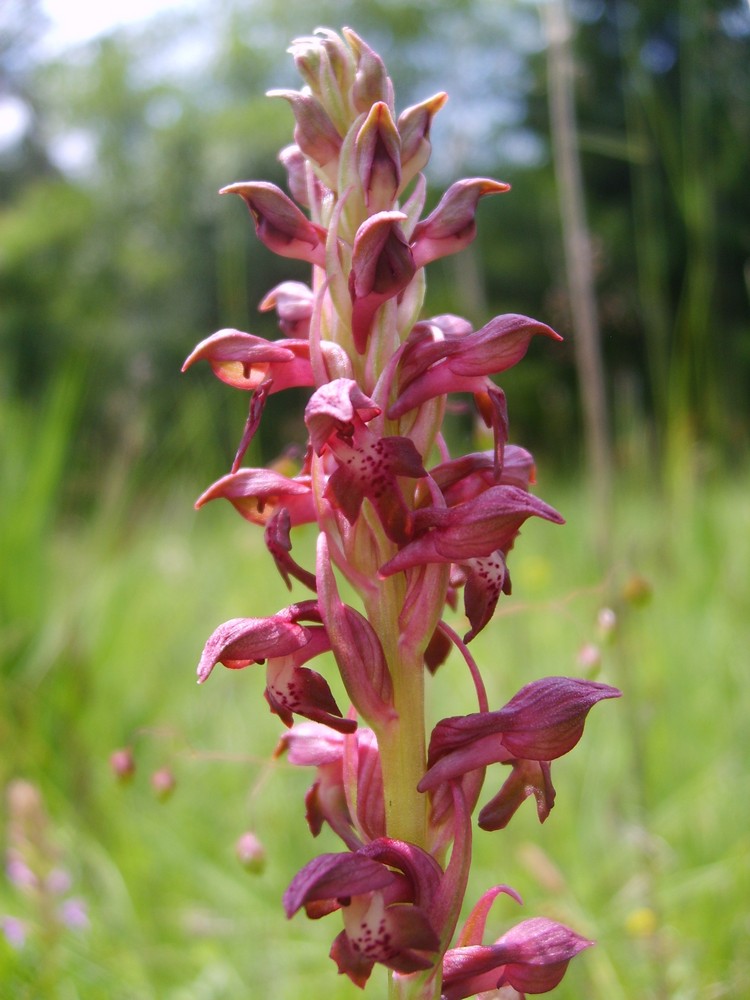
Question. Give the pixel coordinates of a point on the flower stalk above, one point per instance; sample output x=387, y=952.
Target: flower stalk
x=405, y=525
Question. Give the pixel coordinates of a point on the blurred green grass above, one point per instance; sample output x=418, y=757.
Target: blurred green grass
x=103, y=618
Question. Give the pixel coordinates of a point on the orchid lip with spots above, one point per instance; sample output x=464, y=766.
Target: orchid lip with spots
x=405, y=526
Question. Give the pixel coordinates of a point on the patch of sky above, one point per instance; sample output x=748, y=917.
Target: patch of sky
x=15, y=118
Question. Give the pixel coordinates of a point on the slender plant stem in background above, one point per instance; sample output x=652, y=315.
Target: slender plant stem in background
x=579, y=266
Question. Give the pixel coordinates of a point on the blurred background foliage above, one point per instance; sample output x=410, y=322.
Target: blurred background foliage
x=117, y=256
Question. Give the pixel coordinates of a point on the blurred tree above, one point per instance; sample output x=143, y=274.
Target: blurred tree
x=22, y=149
x=115, y=250
x=663, y=95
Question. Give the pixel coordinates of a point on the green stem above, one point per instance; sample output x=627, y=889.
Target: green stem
x=403, y=752
x=419, y=986
x=402, y=741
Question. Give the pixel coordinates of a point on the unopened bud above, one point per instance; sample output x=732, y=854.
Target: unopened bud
x=377, y=151
x=163, y=783
x=607, y=622
x=371, y=82
x=637, y=591
x=590, y=657
x=250, y=853
x=315, y=134
x=122, y=763
x=382, y=266
x=414, y=128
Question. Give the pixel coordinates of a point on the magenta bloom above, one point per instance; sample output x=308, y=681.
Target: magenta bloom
x=542, y=722
x=291, y=688
x=539, y=724
x=531, y=957
x=367, y=465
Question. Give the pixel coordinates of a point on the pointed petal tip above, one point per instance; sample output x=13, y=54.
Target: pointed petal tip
x=234, y=188
x=493, y=187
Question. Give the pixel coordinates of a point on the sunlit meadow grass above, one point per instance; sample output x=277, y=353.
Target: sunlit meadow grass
x=647, y=849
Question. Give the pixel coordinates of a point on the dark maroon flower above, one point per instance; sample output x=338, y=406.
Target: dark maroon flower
x=385, y=891
x=434, y=365
x=291, y=688
x=473, y=529
x=367, y=465
x=382, y=266
x=543, y=721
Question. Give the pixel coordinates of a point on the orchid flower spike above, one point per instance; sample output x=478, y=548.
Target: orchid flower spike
x=402, y=527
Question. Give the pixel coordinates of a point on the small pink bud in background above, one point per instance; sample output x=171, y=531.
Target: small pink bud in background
x=14, y=931
x=250, y=853
x=74, y=914
x=19, y=873
x=163, y=783
x=122, y=763
x=590, y=657
x=606, y=621
x=58, y=882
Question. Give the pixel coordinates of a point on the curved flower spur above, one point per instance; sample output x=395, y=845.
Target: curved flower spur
x=405, y=524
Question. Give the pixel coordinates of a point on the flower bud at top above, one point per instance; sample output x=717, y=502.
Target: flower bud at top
x=377, y=151
x=315, y=133
x=414, y=128
x=326, y=64
x=371, y=83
